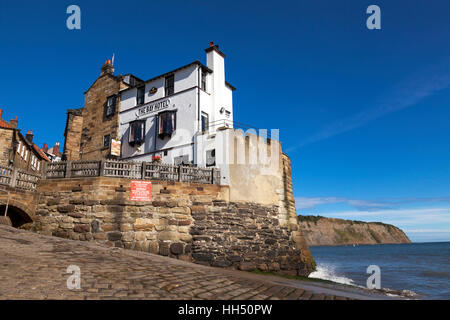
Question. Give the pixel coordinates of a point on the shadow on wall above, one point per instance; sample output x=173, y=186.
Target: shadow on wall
x=18, y=217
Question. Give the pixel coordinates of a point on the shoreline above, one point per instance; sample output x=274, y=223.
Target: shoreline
x=345, y=290
x=361, y=244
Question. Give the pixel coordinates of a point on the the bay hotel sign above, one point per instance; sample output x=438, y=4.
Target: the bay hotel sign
x=153, y=107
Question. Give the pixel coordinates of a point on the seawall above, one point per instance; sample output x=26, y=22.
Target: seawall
x=187, y=221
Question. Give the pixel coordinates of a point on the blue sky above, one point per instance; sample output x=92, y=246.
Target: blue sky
x=363, y=114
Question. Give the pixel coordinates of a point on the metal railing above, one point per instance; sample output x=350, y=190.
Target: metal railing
x=13, y=177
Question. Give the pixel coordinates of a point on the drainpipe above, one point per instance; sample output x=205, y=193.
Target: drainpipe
x=7, y=203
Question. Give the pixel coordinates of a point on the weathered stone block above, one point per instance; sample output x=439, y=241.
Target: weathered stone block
x=176, y=248
x=168, y=235
x=114, y=236
x=82, y=228
x=247, y=266
x=203, y=256
x=66, y=208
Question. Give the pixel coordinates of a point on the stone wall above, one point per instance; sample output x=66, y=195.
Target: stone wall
x=72, y=142
x=6, y=136
x=95, y=123
x=247, y=236
x=186, y=221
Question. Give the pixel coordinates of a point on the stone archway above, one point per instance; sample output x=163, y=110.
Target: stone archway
x=18, y=217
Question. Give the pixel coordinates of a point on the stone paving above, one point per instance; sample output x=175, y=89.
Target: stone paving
x=34, y=266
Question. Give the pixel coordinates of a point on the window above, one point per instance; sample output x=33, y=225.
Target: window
x=23, y=151
x=34, y=162
x=106, y=140
x=18, y=147
x=205, y=121
x=26, y=155
x=166, y=123
x=181, y=160
x=169, y=85
x=140, y=95
x=211, y=158
x=137, y=132
x=110, y=106
x=203, y=83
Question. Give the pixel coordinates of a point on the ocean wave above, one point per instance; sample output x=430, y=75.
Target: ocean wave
x=327, y=272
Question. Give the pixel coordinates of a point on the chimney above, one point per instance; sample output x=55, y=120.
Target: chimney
x=13, y=122
x=56, y=149
x=45, y=147
x=215, y=60
x=107, y=68
x=29, y=136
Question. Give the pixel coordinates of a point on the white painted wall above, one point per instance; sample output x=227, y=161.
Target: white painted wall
x=186, y=101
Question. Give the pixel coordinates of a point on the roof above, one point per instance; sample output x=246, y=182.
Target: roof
x=196, y=62
x=230, y=86
x=77, y=112
x=35, y=147
x=41, y=153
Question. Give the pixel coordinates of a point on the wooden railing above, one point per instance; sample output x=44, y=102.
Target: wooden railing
x=13, y=177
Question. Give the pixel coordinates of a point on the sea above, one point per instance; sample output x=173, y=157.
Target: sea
x=423, y=268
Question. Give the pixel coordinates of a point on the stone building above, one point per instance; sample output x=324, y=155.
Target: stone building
x=183, y=117
x=17, y=150
x=52, y=153
x=160, y=117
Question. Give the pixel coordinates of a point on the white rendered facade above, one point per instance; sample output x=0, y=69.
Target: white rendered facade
x=172, y=118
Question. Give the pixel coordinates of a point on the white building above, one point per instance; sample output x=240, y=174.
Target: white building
x=165, y=115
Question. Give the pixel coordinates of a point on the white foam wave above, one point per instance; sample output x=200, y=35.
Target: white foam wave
x=327, y=272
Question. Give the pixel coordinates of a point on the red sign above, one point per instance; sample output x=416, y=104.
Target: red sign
x=141, y=190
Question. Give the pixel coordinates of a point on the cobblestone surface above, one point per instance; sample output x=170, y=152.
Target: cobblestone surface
x=33, y=266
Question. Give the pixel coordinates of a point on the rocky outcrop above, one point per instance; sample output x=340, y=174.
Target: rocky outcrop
x=321, y=231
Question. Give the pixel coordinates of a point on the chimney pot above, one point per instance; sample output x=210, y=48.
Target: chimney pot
x=107, y=68
x=211, y=44
x=56, y=149
x=29, y=136
x=13, y=122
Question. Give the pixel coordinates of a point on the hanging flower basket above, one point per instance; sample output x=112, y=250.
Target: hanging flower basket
x=156, y=159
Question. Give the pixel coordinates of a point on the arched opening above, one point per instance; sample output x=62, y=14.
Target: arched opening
x=18, y=217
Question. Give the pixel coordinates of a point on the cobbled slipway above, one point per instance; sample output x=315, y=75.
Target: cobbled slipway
x=34, y=266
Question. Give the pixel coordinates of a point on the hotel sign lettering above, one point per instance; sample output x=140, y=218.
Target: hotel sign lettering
x=153, y=107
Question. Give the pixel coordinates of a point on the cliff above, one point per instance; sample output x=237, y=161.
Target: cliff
x=321, y=231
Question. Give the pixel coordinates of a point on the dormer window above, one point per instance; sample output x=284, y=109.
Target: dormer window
x=169, y=85
x=137, y=132
x=140, y=97
x=110, y=105
x=166, y=123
